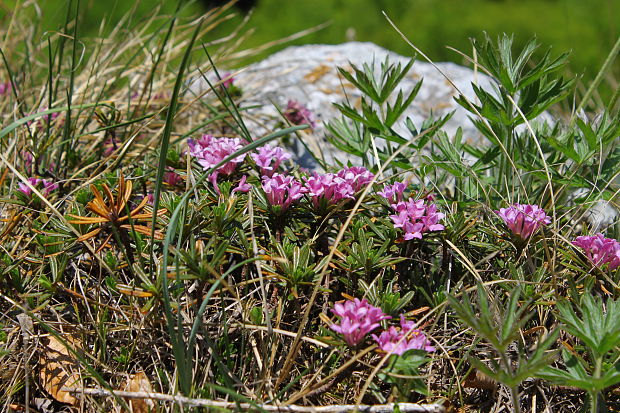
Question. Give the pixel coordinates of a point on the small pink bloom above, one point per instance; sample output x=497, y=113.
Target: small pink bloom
x=394, y=193
x=210, y=151
x=172, y=178
x=398, y=341
x=109, y=146
x=297, y=113
x=227, y=79
x=523, y=220
x=600, y=250
x=415, y=218
x=282, y=190
x=333, y=188
x=243, y=186
x=47, y=186
x=269, y=158
x=357, y=319
x=5, y=88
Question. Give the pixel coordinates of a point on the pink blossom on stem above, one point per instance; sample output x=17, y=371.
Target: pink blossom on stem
x=5, y=88
x=210, y=151
x=357, y=319
x=523, y=220
x=243, y=186
x=47, y=186
x=398, y=341
x=416, y=217
x=332, y=188
x=297, y=113
x=282, y=190
x=600, y=250
x=172, y=178
x=358, y=177
x=269, y=158
x=227, y=79
x=394, y=193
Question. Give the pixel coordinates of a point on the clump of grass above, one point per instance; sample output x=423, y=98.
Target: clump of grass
x=171, y=245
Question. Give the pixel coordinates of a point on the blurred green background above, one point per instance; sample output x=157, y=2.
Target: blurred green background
x=588, y=28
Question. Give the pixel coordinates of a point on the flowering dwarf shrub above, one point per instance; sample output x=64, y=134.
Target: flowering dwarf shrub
x=223, y=257
x=357, y=319
x=523, y=220
x=46, y=186
x=599, y=250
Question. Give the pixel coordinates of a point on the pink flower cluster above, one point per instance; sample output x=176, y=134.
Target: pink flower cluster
x=172, y=178
x=243, y=185
x=523, y=219
x=5, y=88
x=600, y=250
x=210, y=151
x=416, y=217
x=282, y=190
x=394, y=193
x=297, y=113
x=398, y=341
x=47, y=186
x=269, y=158
x=227, y=79
x=357, y=318
x=332, y=188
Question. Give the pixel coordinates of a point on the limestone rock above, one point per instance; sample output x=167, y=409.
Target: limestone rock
x=308, y=74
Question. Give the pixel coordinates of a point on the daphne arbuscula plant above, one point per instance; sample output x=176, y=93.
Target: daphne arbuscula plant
x=600, y=250
x=357, y=319
x=398, y=341
x=297, y=113
x=269, y=158
x=332, y=188
x=282, y=190
x=209, y=151
x=415, y=218
x=46, y=185
x=393, y=193
x=523, y=220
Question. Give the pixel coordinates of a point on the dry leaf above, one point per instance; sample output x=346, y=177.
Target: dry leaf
x=59, y=369
x=478, y=380
x=139, y=382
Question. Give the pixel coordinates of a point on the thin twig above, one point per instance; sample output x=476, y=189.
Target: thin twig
x=380, y=408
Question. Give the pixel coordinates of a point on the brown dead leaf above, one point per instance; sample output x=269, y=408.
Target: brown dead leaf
x=59, y=369
x=478, y=380
x=139, y=382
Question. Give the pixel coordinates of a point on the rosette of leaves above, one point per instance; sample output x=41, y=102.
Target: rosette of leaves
x=596, y=366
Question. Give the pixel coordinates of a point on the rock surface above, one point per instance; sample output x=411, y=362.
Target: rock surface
x=309, y=75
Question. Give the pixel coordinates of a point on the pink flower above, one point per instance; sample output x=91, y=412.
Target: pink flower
x=172, y=178
x=332, y=188
x=358, y=177
x=357, y=318
x=5, y=88
x=523, y=220
x=109, y=146
x=47, y=186
x=210, y=151
x=416, y=217
x=600, y=250
x=269, y=158
x=227, y=79
x=398, y=341
x=243, y=186
x=297, y=113
x=282, y=190
x=394, y=193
